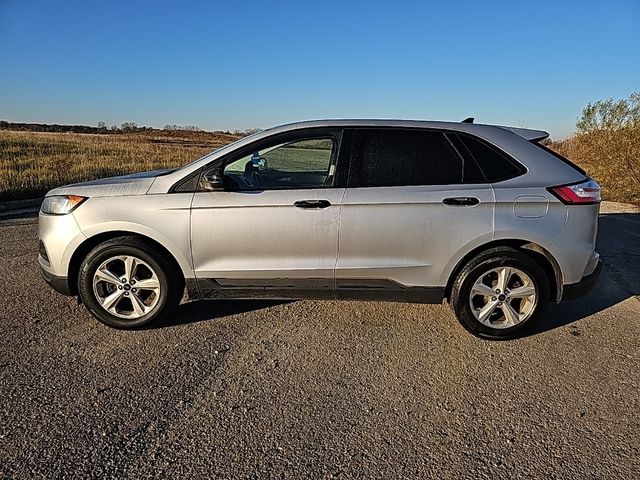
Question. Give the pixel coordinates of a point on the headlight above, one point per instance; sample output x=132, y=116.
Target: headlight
x=61, y=204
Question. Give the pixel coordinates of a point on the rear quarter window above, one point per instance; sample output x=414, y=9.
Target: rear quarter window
x=495, y=164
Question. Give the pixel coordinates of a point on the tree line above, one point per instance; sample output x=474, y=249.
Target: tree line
x=102, y=128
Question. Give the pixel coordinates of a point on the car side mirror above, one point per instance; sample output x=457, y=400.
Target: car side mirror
x=259, y=163
x=211, y=180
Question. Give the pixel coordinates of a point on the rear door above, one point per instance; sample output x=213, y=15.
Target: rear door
x=411, y=204
x=273, y=230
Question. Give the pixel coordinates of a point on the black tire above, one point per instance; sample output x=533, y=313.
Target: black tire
x=169, y=277
x=484, y=262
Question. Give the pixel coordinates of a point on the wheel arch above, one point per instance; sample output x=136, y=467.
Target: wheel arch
x=91, y=242
x=546, y=260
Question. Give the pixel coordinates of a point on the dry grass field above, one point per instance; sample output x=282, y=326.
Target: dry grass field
x=32, y=163
x=612, y=157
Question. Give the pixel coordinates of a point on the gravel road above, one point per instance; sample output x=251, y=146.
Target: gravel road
x=319, y=389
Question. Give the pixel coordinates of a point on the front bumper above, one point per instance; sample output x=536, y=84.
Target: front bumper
x=60, y=236
x=59, y=284
x=584, y=286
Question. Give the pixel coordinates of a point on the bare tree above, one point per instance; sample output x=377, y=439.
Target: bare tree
x=522, y=121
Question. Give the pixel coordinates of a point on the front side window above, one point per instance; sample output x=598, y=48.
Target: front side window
x=396, y=157
x=306, y=163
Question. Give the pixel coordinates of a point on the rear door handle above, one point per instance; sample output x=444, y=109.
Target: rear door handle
x=461, y=201
x=312, y=204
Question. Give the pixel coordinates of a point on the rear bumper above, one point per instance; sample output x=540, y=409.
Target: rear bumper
x=584, y=286
x=59, y=284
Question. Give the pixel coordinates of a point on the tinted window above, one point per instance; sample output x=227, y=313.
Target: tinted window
x=471, y=171
x=495, y=165
x=297, y=164
x=405, y=157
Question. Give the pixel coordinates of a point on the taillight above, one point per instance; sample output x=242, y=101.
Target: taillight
x=584, y=193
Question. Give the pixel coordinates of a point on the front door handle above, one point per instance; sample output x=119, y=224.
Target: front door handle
x=312, y=204
x=461, y=201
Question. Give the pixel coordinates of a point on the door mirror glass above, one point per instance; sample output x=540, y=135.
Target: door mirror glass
x=259, y=163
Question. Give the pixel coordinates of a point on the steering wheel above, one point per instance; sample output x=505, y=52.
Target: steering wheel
x=257, y=179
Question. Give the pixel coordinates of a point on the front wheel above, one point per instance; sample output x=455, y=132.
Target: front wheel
x=500, y=293
x=126, y=283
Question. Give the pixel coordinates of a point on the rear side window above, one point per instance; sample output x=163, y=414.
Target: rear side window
x=394, y=157
x=495, y=165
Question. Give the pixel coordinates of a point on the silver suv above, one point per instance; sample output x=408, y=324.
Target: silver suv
x=483, y=216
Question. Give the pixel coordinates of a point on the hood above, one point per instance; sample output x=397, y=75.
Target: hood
x=133, y=184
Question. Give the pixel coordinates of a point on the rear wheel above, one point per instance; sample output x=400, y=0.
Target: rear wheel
x=126, y=283
x=500, y=293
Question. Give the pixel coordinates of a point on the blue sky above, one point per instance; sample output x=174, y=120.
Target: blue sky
x=237, y=65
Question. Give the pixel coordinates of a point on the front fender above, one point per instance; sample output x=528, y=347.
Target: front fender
x=162, y=218
x=125, y=228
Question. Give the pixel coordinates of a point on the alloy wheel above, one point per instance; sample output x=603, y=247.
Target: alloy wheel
x=126, y=287
x=503, y=297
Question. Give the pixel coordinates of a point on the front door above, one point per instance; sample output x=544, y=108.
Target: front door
x=273, y=230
